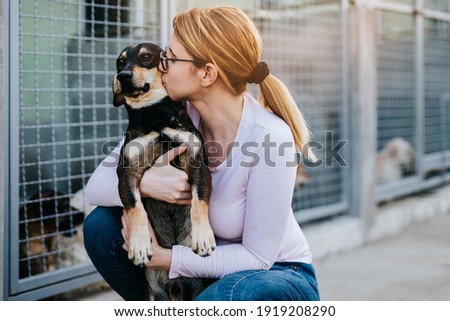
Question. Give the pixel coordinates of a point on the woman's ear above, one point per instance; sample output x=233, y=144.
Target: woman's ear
x=209, y=74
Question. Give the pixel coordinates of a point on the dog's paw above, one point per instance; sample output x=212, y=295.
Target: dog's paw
x=203, y=241
x=139, y=247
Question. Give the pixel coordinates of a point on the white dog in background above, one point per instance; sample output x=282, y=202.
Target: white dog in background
x=396, y=157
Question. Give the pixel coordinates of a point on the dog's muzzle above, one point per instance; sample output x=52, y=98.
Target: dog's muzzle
x=125, y=78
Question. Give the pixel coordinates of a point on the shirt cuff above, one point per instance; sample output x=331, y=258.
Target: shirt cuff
x=176, y=262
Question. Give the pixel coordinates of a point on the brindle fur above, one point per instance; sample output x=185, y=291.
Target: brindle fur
x=155, y=126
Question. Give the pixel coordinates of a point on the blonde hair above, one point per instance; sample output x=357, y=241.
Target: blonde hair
x=228, y=38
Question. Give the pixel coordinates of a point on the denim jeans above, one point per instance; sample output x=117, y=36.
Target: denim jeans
x=103, y=241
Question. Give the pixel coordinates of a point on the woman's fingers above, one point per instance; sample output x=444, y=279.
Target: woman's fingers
x=171, y=154
x=165, y=182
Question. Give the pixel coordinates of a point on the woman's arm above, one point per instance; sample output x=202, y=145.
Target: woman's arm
x=162, y=181
x=267, y=218
x=102, y=187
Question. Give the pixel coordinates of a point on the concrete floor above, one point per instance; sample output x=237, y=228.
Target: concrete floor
x=412, y=265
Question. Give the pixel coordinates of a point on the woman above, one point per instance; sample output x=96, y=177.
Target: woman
x=262, y=252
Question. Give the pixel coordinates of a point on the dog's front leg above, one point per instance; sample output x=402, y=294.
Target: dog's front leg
x=137, y=158
x=202, y=236
x=203, y=241
x=194, y=162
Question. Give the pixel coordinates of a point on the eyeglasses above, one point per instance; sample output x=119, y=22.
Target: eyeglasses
x=165, y=60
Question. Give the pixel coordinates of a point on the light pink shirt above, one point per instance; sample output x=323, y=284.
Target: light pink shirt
x=250, y=208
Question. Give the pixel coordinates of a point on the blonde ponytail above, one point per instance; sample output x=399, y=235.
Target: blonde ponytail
x=275, y=96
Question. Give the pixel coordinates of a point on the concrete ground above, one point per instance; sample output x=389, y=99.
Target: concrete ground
x=411, y=265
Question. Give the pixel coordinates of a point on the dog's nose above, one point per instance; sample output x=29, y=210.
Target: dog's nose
x=125, y=75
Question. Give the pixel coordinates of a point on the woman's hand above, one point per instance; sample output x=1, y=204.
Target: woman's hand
x=166, y=183
x=161, y=257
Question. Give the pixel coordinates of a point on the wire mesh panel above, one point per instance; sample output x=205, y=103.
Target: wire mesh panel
x=303, y=43
x=303, y=47
x=437, y=96
x=396, y=97
x=66, y=123
x=441, y=5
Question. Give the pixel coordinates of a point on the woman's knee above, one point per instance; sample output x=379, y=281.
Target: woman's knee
x=101, y=225
x=239, y=286
x=264, y=286
x=260, y=286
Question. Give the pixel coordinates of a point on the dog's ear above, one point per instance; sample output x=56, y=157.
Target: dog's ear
x=119, y=99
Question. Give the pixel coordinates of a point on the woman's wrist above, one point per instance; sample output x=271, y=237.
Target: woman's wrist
x=161, y=259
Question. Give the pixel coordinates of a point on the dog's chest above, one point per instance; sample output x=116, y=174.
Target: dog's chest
x=155, y=119
x=163, y=126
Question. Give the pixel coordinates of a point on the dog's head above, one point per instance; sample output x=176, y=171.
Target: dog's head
x=137, y=81
x=400, y=150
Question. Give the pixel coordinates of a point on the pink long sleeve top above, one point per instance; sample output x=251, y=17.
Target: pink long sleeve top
x=250, y=207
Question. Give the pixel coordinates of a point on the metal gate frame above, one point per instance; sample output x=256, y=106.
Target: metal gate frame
x=44, y=285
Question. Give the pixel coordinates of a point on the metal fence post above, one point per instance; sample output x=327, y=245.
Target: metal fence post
x=11, y=98
x=363, y=110
x=420, y=87
x=3, y=105
x=167, y=12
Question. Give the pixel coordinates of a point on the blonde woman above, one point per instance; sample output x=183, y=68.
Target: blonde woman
x=252, y=146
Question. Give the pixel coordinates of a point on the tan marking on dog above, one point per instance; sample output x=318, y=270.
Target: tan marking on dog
x=138, y=146
x=117, y=89
x=203, y=241
x=139, y=242
x=193, y=142
x=144, y=51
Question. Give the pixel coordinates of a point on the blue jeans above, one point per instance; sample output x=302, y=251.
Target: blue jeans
x=103, y=241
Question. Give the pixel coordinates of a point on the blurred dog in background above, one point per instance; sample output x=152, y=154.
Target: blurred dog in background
x=395, y=160
x=50, y=233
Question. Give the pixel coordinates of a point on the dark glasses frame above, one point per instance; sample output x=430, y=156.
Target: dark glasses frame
x=165, y=60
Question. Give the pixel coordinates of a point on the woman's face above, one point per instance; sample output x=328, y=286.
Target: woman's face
x=181, y=77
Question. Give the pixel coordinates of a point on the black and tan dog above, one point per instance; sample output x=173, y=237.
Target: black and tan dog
x=157, y=124
x=46, y=216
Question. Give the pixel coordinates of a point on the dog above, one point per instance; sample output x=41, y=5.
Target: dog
x=44, y=221
x=157, y=124
x=395, y=160
x=77, y=253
